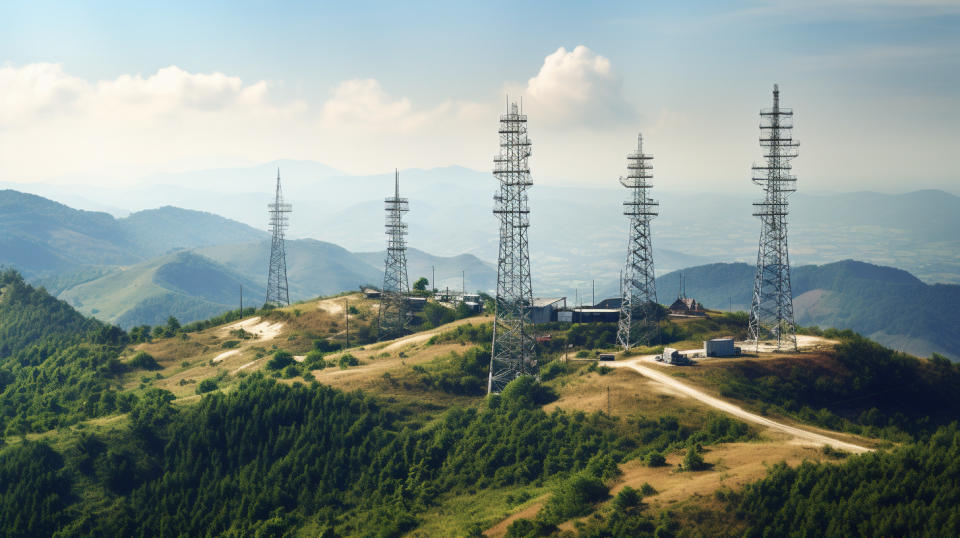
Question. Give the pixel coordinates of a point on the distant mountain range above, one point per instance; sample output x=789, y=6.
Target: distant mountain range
x=153, y=263
x=577, y=234
x=43, y=238
x=888, y=305
x=142, y=268
x=477, y=274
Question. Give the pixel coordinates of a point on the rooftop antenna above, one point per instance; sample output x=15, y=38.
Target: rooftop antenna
x=771, y=312
x=513, y=350
x=278, y=293
x=392, y=318
x=638, y=302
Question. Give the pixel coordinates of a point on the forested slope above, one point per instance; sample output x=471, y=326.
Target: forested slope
x=55, y=364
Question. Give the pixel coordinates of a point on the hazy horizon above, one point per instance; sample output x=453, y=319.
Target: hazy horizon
x=102, y=94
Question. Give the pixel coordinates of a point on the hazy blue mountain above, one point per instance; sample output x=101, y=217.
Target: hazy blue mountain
x=39, y=235
x=477, y=274
x=43, y=238
x=577, y=234
x=157, y=231
x=313, y=267
x=886, y=304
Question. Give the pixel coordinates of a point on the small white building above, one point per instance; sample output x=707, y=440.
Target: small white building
x=720, y=347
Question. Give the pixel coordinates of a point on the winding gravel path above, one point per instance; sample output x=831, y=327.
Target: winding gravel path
x=735, y=410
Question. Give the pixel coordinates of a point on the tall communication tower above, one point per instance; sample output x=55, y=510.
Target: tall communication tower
x=277, y=291
x=512, y=355
x=638, y=306
x=771, y=313
x=396, y=286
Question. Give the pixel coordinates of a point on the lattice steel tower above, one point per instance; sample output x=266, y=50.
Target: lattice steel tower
x=277, y=291
x=638, y=306
x=393, y=306
x=771, y=314
x=513, y=341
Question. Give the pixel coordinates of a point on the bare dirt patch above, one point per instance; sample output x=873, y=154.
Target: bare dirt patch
x=264, y=330
x=225, y=354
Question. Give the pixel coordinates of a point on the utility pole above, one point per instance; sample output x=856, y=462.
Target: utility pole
x=433, y=278
x=463, y=283
x=593, y=292
x=241, y=300
x=346, y=321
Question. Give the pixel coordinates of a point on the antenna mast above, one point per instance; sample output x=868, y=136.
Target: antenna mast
x=513, y=350
x=278, y=293
x=638, y=305
x=771, y=313
x=393, y=306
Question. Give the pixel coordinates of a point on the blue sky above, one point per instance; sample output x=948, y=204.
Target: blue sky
x=365, y=86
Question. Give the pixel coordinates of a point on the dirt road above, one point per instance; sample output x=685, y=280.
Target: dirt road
x=735, y=410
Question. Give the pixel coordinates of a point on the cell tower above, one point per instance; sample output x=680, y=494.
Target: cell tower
x=512, y=355
x=771, y=313
x=277, y=291
x=638, y=306
x=396, y=286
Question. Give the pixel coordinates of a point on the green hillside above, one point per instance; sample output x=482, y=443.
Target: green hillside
x=184, y=285
x=44, y=239
x=157, y=231
x=55, y=364
x=313, y=267
x=284, y=448
x=39, y=235
x=477, y=274
x=885, y=304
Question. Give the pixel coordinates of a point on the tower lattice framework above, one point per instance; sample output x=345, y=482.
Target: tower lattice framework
x=396, y=286
x=638, y=307
x=513, y=350
x=771, y=313
x=278, y=293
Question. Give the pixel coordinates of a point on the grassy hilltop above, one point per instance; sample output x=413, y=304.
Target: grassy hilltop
x=270, y=422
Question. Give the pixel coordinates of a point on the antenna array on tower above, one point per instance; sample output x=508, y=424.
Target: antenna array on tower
x=638, y=305
x=278, y=293
x=393, y=306
x=771, y=313
x=512, y=352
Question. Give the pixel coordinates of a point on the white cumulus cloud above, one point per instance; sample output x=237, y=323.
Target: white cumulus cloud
x=577, y=87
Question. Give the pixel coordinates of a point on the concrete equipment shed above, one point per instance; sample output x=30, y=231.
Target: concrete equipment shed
x=720, y=347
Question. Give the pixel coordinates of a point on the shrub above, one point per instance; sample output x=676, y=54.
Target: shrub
x=325, y=346
x=291, y=370
x=281, y=359
x=574, y=497
x=314, y=361
x=525, y=393
x=207, y=385
x=627, y=498
x=553, y=370
x=144, y=361
x=693, y=461
x=347, y=360
x=656, y=459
